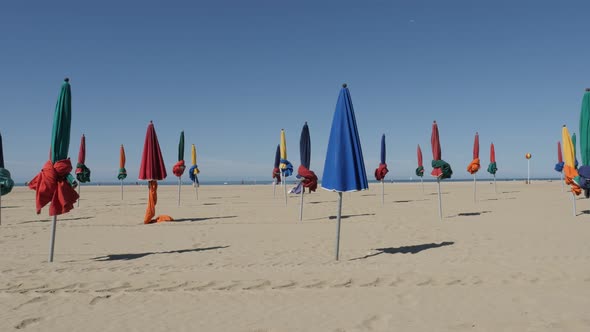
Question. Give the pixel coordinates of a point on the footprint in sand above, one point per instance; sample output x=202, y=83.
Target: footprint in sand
x=99, y=298
x=260, y=285
x=288, y=285
x=27, y=322
x=33, y=300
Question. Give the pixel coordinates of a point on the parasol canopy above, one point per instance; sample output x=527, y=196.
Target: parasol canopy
x=492, y=168
x=382, y=170
x=82, y=172
x=6, y=182
x=440, y=168
x=54, y=183
x=309, y=179
x=122, y=171
x=179, y=167
x=344, y=168
x=474, y=165
x=420, y=169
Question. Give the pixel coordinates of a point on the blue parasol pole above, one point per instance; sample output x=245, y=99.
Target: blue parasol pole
x=338, y=217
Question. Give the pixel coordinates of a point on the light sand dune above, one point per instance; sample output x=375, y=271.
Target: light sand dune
x=237, y=259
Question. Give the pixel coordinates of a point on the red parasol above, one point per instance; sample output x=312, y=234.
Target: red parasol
x=436, y=152
x=474, y=165
x=493, y=153
x=152, y=169
x=152, y=164
x=419, y=152
x=559, y=154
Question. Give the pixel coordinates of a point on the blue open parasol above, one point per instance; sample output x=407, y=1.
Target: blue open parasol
x=344, y=169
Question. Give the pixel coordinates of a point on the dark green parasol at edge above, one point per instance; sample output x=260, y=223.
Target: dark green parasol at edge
x=585, y=129
x=6, y=182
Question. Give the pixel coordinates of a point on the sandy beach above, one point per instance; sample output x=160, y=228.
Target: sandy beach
x=237, y=259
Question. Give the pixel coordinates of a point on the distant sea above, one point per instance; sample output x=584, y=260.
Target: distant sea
x=293, y=180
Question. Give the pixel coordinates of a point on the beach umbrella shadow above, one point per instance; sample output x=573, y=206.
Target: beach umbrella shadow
x=406, y=249
x=204, y=219
x=128, y=257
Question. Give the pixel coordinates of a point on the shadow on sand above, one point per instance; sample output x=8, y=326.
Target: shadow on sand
x=203, y=219
x=58, y=219
x=128, y=257
x=407, y=249
x=470, y=214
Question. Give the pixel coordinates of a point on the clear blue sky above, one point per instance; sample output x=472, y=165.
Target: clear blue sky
x=233, y=73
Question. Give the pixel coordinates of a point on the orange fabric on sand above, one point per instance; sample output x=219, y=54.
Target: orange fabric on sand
x=570, y=174
x=150, y=211
x=473, y=166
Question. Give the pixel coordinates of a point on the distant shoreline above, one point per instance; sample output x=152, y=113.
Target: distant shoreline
x=292, y=181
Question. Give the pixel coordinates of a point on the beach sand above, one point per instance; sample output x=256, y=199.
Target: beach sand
x=237, y=259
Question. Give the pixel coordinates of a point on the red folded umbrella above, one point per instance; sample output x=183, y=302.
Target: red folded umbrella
x=559, y=155
x=152, y=169
x=436, y=151
x=474, y=165
x=493, y=153
x=152, y=164
x=419, y=152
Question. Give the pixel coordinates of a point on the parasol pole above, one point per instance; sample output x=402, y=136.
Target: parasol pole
x=179, y=184
x=338, y=217
x=79, y=191
x=274, y=188
x=562, y=188
x=285, y=187
x=439, y=200
x=422, y=183
x=52, y=240
x=382, y=192
x=528, y=181
x=121, y=189
x=474, y=189
x=0, y=205
x=573, y=203
x=495, y=189
x=301, y=206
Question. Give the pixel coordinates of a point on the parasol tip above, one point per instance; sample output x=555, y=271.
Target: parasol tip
x=587, y=89
x=434, y=121
x=564, y=126
x=67, y=79
x=344, y=85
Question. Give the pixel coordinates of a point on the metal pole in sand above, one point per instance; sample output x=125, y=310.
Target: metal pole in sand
x=285, y=187
x=179, y=185
x=528, y=177
x=52, y=240
x=382, y=192
x=562, y=186
x=574, y=203
x=439, y=200
x=121, y=189
x=422, y=183
x=338, y=217
x=301, y=206
x=79, y=191
x=474, y=189
x=495, y=189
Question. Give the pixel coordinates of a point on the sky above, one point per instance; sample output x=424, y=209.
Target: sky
x=231, y=74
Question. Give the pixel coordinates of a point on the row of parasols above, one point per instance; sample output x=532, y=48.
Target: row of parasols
x=578, y=178
x=344, y=169
x=54, y=184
